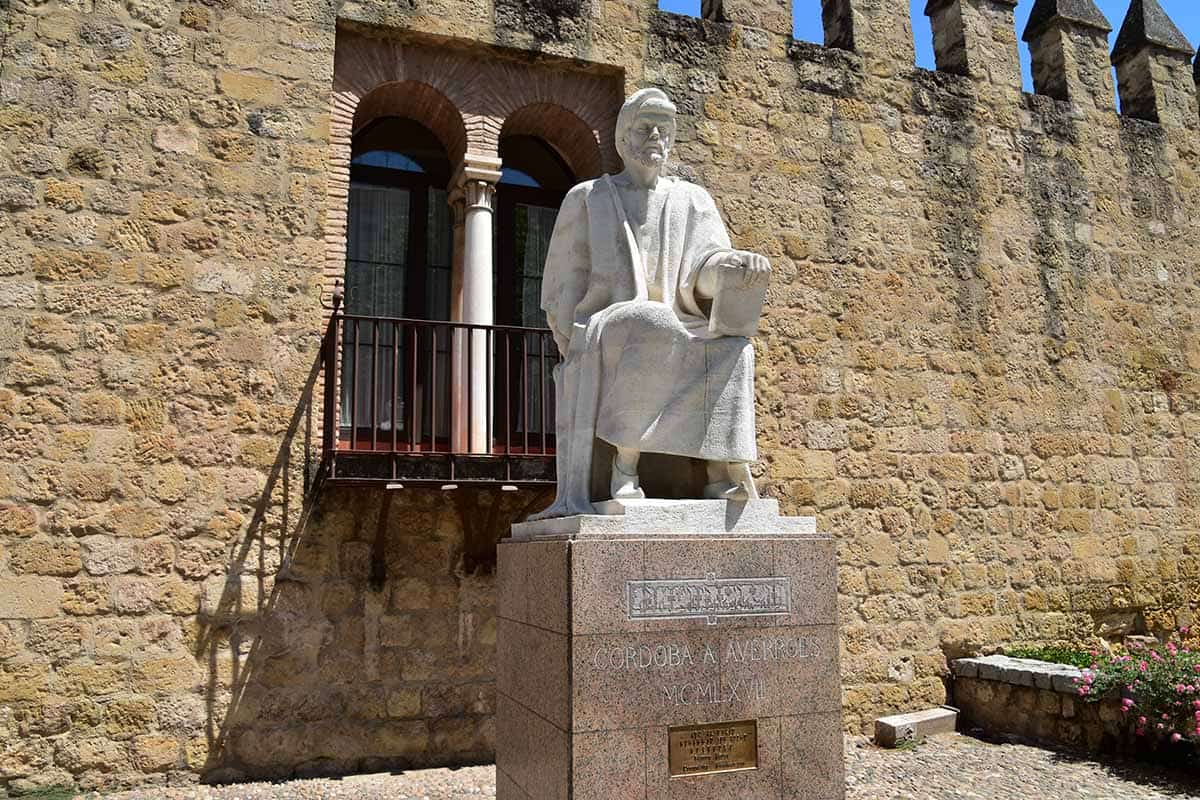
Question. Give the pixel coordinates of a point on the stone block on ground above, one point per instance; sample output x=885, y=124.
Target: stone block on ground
x=898, y=728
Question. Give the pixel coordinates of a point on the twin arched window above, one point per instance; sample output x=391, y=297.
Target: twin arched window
x=399, y=265
x=399, y=248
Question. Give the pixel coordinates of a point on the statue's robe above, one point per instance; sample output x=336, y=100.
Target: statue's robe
x=641, y=368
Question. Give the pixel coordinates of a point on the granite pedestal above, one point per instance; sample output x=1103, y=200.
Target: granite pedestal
x=620, y=635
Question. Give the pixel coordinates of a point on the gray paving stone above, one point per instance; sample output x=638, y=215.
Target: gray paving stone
x=947, y=767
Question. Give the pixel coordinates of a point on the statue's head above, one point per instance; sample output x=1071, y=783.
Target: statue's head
x=646, y=128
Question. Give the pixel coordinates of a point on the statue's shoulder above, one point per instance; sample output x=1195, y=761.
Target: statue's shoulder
x=693, y=191
x=580, y=192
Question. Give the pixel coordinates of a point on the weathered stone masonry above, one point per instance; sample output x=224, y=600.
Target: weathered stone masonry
x=979, y=367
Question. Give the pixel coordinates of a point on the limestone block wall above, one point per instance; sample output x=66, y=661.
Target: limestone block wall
x=1040, y=715
x=1036, y=701
x=979, y=366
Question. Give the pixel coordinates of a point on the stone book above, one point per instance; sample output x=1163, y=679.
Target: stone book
x=735, y=306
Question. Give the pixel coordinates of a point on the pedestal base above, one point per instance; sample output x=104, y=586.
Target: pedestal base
x=613, y=648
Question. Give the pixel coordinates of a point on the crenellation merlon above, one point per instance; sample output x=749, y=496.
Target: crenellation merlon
x=1080, y=13
x=1147, y=24
x=880, y=32
x=774, y=16
x=1069, y=48
x=1153, y=59
x=976, y=38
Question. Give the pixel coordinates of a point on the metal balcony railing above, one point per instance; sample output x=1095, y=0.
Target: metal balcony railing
x=427, y=402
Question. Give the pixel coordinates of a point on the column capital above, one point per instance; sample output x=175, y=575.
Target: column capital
x=475, y=193
x=458, y=209
x=476, y=167
x=474, y=182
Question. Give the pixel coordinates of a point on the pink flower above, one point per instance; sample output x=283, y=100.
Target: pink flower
x=1141, y=720
x=1175, y=737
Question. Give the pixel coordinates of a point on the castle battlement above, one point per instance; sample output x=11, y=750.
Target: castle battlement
x=972, y=38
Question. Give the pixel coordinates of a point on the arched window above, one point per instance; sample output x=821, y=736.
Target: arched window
x=399, y=256
x=398, y=242
x=534, y=180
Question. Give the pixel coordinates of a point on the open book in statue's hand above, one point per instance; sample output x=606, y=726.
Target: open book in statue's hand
x=736, y=306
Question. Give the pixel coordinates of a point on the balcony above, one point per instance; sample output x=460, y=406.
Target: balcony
x=412, y=402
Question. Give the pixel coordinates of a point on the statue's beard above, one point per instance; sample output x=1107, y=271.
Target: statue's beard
x=650, y=158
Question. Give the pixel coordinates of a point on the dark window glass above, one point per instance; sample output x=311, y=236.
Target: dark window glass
x=398, y=261
x=533, y=183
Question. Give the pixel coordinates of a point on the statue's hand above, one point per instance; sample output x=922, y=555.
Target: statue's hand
x=756, y=270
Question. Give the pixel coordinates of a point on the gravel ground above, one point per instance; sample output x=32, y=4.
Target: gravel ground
x=950, y=767
x=955, y=767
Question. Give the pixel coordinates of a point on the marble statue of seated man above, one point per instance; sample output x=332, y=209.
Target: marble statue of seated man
x=634, y=274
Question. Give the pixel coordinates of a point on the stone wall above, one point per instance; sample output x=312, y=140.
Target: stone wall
x=979, y=367
x=1035, y=701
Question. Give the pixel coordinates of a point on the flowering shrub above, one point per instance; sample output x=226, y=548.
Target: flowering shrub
x=1159, y=686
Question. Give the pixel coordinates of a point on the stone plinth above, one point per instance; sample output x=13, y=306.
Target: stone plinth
x=609, y=639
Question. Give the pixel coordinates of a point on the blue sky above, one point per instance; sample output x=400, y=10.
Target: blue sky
x=807, y=15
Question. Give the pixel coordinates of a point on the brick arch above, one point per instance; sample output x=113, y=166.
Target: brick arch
x=417, y=82
x=584, y=101
x=571, y=137
x=383, y=77
x=416, y=101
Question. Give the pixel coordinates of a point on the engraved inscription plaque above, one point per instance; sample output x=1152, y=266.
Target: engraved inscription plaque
x=716, y=747
x=709, y=597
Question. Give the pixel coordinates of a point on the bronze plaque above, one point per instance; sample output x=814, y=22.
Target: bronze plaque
x=716, y=747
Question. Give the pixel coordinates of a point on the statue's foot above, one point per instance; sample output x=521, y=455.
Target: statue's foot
x=625, y=486
x=726, y=490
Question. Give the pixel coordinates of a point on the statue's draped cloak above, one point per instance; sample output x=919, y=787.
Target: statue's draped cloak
x=636, y=372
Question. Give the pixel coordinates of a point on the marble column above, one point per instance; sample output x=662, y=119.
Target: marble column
x=473, y=198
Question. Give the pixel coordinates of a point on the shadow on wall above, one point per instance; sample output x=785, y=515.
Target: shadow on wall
x=353, y=629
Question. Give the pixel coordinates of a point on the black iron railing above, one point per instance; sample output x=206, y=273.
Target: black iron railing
x=423, y=401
